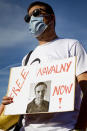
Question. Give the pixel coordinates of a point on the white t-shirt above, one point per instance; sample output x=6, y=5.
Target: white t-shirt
x=56, y=50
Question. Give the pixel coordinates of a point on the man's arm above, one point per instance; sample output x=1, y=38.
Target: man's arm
x=82, y=118
x=1, y=108
x=82, y=80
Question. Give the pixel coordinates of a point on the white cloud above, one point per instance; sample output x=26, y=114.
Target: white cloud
x=11, y=37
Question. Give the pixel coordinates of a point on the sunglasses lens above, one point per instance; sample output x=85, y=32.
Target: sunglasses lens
x=36, y=13
x=27, y=18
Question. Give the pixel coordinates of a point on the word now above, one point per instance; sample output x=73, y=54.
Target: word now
x=62, y=89
x=54, y=69
x=19, y=83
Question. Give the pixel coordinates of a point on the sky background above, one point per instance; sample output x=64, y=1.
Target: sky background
x=16, y=41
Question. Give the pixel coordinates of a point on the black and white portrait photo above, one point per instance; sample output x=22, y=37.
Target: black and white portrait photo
x=40, y=101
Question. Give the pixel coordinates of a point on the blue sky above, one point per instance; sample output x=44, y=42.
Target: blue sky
x=16, y=41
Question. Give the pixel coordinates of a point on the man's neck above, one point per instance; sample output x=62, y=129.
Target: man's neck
x=38, y=103
x=41, y=42
x=47, y=37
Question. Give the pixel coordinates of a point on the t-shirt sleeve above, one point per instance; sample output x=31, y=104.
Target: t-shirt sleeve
x=81, y=58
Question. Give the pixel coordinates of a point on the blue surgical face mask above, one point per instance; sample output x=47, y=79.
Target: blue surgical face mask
x=37, y=26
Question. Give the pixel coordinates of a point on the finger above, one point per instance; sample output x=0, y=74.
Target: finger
x=6, y=102
x=7, y=98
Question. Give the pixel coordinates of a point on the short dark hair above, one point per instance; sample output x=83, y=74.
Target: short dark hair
x=49, y=9
x=40, y=83
x=47, y=6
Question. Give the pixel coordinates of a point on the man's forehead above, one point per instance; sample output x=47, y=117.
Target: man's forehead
x=35, y=7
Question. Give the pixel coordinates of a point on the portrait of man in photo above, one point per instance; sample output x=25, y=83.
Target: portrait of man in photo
x=38, y=104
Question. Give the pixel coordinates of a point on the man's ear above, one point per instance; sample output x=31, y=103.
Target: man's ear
x=49, y=18
x=52, y=17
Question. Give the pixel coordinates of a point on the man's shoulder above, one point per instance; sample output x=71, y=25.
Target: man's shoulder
x=30, y=106
x=46, y=102
x=67, y=40
x=26, y=58
x=31, y=103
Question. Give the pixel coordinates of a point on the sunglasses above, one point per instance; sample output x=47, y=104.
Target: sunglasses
x=35, y=13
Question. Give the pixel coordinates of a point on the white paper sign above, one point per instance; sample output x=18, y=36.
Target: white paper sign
x=45, y=88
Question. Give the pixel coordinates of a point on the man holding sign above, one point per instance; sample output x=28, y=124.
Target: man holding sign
x=41, y=20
